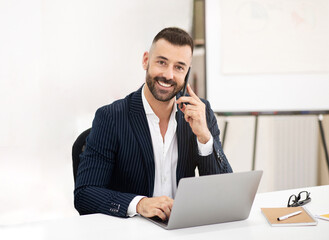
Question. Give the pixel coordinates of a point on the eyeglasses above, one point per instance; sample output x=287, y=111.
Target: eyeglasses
x=300, y=200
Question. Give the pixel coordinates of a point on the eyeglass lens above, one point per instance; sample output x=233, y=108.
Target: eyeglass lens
x=302, y=198
x=303, y=195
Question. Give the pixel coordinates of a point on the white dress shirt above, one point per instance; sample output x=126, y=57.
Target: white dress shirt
x=165, y=155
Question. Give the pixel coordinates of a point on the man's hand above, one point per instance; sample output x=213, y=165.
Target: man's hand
x=195, y=115
x=156, y=206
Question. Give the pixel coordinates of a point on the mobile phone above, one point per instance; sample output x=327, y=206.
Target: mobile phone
x=183, y=92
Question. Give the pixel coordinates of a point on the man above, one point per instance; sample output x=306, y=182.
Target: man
x=141, y=146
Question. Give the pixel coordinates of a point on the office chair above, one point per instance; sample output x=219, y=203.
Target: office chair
x=77, y=148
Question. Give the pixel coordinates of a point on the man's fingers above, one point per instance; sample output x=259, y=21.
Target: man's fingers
x=167, y=211
x=156, y=206
x=165, y=206
x=160, y=214
x=187, y=99
x=192, y=99
x=190, y=91
x=193, y=113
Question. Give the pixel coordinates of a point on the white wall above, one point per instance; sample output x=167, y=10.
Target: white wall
x=60, y=61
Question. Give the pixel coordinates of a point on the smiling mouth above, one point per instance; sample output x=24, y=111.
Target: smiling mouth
x=166, y=85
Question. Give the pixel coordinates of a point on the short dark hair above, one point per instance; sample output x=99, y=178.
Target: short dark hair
x=175, y=36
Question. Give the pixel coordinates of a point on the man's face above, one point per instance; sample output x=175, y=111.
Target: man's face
x=166, y=67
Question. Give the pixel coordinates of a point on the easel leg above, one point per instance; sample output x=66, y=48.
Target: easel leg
x=255, y=144
x=224, y=133
x=323, y=139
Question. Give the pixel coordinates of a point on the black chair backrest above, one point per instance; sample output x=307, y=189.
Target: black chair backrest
x=77, y=149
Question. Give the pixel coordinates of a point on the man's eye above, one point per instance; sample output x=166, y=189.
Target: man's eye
x=179, y=68
x=162, y=62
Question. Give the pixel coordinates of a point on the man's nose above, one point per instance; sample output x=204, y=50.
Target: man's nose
x=168, y=73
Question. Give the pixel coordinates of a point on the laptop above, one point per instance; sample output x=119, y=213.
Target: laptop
x=212, y=199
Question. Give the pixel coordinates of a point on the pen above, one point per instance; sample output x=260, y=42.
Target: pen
x=289, y=215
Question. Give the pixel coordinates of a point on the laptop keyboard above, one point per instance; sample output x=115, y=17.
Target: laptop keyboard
x=159, y=221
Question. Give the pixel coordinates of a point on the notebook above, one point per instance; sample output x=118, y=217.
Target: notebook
x=305, y=218
x=212, y=199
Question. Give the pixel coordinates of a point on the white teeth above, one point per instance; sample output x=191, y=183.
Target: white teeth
x=164, y=84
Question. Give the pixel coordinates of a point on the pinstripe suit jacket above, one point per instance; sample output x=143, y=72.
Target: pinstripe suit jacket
x=118, y=162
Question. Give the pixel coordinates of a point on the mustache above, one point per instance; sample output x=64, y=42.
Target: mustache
x=163, y=79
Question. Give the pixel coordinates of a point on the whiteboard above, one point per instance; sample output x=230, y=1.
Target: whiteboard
x=267, y=55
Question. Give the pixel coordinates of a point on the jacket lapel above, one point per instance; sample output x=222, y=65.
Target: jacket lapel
x=141, y=130
x=182, y=142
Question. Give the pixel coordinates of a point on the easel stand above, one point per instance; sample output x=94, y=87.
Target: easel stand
x=323, y=139
x=255, y=144
x=224, y=133
x=320, y=117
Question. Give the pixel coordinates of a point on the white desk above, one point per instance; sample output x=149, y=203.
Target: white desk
x=100, y=226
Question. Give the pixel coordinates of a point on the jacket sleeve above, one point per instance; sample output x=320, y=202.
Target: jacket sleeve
x=216, y=162
x=92, y=193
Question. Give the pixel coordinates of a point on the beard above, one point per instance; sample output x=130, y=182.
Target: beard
x=159, y=94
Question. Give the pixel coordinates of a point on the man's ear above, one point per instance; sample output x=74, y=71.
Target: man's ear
x=145, y=60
